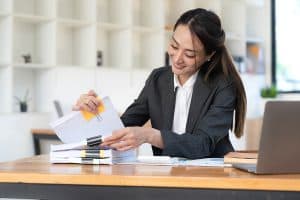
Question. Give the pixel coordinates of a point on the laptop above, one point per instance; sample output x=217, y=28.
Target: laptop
x=279, y=147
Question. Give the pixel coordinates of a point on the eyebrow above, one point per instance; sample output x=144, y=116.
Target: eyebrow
x=191, y=50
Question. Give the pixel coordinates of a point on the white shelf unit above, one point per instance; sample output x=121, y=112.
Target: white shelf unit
x=63, y=36
x=254, y=30
x=147, y=48
x=5, y=40
x=143, y=15
x=6, y=6
x=236, y=35
x=114, y=12
x=36, y=38
x=109, y=38
x=77, y=10
x=173, y=9
x=34, y=8
x=75, y=44
x=6, y=89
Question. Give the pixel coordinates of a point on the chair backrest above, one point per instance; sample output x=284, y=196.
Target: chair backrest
x=58, y=108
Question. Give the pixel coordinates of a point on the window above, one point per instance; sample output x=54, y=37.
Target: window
x=285, y=45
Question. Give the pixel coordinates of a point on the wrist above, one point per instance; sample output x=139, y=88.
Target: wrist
x=151, y=135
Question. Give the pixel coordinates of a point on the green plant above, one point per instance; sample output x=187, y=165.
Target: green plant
x=23, y=102
x=269, y=92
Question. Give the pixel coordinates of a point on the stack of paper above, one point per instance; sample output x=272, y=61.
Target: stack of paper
x=84, y=155
x=75, y=129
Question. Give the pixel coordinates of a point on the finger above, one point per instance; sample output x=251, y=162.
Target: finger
x=108, y=143
x=97, y=102
x=85, y=107
x=88, y=101
x=126, y=148
x=116, y=135
x=120, y=145
x=92, y=93
x=92, y=106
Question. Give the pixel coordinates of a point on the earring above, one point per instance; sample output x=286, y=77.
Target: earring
x=208, y=59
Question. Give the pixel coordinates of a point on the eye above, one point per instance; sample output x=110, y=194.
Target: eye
x=173, y=46
x=190, y=56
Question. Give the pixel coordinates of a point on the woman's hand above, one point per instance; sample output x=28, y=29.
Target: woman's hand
x=87, y=102
x=132, y=137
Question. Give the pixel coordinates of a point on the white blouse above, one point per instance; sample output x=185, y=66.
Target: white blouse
x=183, y=101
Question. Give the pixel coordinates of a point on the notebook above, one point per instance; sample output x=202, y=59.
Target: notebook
x=280, y=140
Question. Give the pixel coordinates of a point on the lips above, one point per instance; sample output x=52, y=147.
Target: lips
x=178, y=67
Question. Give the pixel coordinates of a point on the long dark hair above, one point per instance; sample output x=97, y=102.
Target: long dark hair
x=206, y=26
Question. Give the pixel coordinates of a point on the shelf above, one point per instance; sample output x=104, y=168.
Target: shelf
x=111, y=26
x=144, y=29
x=40, y=8
x=4, y=14
x=254, y=29
x=74, y=45
x=173, y=9
x=147, y=49
x=74, y=23
x=40, y=94
x=5, y=6
x=213, y=5
x=234, y=36
x=113, y=11
x=33, y=19
x=76, y=9
x=23, y=80
x=75, y=67
x=64, y=38
x=236, y=47
x=25, y=113
x=5, y=39
x=256, y=3
x=238, y=18
x=143, y=13
x=254, y=39
x=32, y=66
x=114, y=46
x=36, y=39
x=3, y=65
x=6, y=89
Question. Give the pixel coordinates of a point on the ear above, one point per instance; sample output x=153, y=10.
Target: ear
x=210, y=56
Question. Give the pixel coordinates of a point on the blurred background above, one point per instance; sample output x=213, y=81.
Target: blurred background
x=55, y=50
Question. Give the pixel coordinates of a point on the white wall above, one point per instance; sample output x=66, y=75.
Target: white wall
x=15, y=137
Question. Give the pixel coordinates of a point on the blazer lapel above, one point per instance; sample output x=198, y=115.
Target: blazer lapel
x=168, y=102
x=200, y=93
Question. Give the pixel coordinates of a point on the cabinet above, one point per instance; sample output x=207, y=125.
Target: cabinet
x=64, y=38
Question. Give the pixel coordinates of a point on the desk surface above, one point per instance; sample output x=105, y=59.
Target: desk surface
x=38, y=170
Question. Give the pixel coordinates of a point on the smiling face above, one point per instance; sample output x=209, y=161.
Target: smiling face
x=186, y=52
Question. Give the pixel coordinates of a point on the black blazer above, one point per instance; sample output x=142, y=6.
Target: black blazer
x=209, y=118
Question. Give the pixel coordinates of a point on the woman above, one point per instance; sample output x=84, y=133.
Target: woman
x=191, y=103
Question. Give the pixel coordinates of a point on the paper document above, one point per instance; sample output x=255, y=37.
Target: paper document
x=205, y=162
x=176, y=161
x=75, y=130
x=75, y=160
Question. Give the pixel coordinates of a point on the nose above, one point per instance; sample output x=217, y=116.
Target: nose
x=178, y=57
